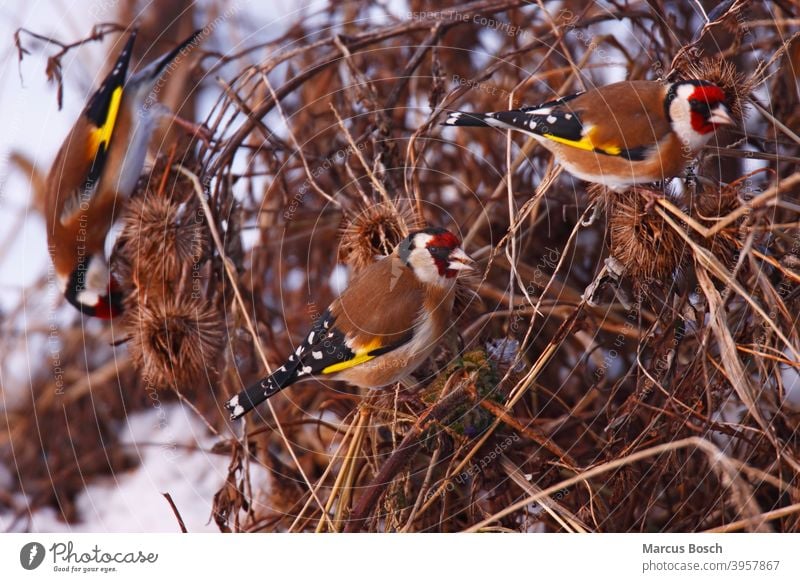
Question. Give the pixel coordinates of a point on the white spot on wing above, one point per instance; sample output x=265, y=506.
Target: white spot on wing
x=551, y=119
x=316, y=355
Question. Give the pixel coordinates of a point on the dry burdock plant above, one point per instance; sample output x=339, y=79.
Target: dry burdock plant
x=668, y=402
x=176, y=328
x=373, y=231
x=718, y=201
x=643, y=242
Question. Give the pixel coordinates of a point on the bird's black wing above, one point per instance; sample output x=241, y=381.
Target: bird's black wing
x=553, y=120
x=103, y=108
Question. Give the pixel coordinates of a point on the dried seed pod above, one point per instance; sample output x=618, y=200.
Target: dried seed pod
x=175, y=341
x=375, y=230
x=708, y=207
x=641, y=240
x=599, y=194
x=159, y=231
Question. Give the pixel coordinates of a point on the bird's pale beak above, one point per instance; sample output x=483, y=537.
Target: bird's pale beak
x=721, y=116
x=460, y=261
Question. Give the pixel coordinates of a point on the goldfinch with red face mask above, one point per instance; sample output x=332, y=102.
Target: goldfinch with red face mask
x=621, y=135
x=384, y=325
x=97, y=167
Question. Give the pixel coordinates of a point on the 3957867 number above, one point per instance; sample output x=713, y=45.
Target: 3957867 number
x=753, y=565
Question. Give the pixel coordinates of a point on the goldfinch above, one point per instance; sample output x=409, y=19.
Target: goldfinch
x=100, y=161
x=382, y=327
x=621, y=135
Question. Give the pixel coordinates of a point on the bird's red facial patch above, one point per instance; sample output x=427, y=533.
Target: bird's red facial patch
x=440, y=246
x=702, y=101
x=106, y=306
x=711, y=94
x=444, y=239
x=700, y=123
x=105, y=309
x=110, y=304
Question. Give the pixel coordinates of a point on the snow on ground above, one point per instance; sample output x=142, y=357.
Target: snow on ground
x=173, y=446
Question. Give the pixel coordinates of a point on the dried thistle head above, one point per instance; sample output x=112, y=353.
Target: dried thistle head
x=642, y=240
x=737, y=86
x=599, y=194
x=712, y=204
x=374, y=230
x=175, y=341
x=160, y=231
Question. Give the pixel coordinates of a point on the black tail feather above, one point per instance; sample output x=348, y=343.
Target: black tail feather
x=259, y=392
x=466, y=119
x=173, y=54
x=154, y=70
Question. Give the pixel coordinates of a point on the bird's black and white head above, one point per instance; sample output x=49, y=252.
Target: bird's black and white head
x=435, y=255
x=696, y=109
x=91, y=289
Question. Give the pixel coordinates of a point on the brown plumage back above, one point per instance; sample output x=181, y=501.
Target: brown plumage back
x=66, y=177
x=382, y=302
x=643, y=104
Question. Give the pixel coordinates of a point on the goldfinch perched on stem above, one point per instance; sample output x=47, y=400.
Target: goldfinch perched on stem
x=100, y=161
x=620, y=135
x=384, y=325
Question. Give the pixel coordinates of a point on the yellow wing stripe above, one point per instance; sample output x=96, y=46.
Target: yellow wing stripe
x=586, y=143
x=359, y=359
x=362, y=355
x=102, y=135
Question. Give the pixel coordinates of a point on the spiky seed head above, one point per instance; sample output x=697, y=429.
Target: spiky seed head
x=713, y=203
x=642, y=241
x=175, y=341
x=159, y=232
x=373, y=231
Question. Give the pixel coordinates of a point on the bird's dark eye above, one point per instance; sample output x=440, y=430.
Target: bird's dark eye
x=439, y=252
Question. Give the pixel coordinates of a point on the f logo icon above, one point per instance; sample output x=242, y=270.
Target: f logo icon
x=31, y=555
